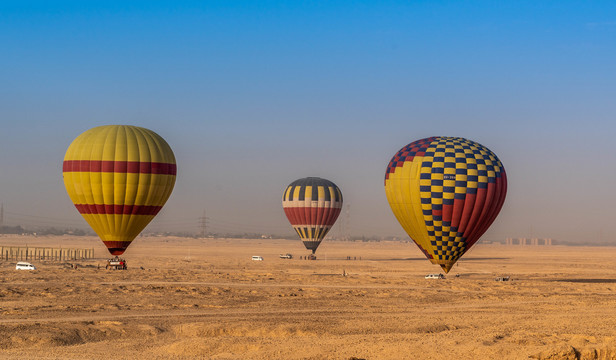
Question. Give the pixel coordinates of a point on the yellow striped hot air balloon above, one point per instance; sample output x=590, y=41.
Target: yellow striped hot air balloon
x=119, y=177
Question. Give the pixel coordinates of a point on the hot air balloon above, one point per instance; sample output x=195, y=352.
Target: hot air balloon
x=445, y=192
x=312, y=206
x=119, y=177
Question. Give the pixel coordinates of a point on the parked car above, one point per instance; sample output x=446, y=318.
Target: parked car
x=257, y=258
x=435, y=276
x=286, y=256
x=22, y=265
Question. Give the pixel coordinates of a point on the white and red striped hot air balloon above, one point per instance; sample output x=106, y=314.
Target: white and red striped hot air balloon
x=312, y=206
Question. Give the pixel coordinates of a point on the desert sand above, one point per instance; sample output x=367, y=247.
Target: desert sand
x=206, y=299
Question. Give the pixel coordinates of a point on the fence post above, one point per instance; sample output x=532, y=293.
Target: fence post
x=35, y=253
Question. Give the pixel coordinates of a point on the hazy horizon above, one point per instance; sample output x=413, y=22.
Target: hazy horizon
x=251, y=97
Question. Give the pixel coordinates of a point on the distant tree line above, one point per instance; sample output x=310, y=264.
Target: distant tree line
x=18, y=230
x=12, y=229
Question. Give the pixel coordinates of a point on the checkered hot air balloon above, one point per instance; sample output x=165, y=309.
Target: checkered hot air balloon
x=445, y=192
x=119, y=177
x=312, y=206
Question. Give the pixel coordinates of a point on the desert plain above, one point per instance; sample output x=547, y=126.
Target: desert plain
x=187, y=298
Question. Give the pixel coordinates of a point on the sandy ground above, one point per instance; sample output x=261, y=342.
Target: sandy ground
x=184, y=298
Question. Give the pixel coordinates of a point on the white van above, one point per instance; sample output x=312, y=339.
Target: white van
x=435, y=276
x=22, y=265
x=257, y=258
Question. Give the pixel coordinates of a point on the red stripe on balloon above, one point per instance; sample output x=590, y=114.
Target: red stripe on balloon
x=100, y=209
x=477, y=209
x=488, y=200
x=129, y=167
x=332, y=215
x=499, y=193
x=467, y=211
x=116, y=247
x=311, y=216
x=456, y=216
x=290, y=213
x=447, y=213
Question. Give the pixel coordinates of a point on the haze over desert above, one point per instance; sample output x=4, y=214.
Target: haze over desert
x=442, y=173
x=206, y=298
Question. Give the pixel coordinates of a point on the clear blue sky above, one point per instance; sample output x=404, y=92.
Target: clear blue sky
x=253, y=95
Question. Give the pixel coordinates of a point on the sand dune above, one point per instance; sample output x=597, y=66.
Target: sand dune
x=207, y=299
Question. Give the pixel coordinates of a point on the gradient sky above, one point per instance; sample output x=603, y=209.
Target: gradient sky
x=253, y=95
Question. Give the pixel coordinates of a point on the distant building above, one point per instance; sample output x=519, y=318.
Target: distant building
x=529, y=241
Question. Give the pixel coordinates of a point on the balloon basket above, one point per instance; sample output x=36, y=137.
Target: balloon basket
x=116, y=263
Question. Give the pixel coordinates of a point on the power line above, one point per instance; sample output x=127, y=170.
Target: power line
x=203, y=224
x=347, y=223
x=344, y=222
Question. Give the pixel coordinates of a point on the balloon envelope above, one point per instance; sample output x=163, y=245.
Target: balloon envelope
x=312, y=206
x=119, y=177
x=445, y=192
